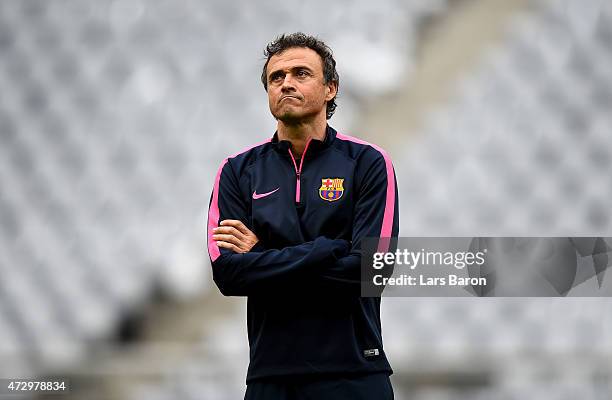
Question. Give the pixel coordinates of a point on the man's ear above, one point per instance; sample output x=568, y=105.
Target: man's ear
x=332, y=90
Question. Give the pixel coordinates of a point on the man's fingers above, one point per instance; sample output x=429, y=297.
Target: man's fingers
x=229, y=246
x=235, y=232
x=236, y=224
x=229, y=230
x=228, y=238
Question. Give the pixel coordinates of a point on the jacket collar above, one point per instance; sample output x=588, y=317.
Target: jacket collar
x=315, y=146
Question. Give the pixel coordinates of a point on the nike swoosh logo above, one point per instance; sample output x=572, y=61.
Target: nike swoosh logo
x=259, y=196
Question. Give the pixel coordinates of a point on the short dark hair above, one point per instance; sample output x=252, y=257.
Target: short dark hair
x=299, y=39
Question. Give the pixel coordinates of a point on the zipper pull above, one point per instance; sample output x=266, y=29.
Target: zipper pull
x=297, y=187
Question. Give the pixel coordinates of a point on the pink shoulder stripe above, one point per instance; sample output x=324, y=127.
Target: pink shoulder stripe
x=213, y=211
x=387, y=224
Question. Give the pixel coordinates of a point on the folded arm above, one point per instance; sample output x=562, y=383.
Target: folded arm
x=241, y=266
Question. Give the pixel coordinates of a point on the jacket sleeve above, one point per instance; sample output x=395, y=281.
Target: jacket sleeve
x=376, y=216
x=259, y=271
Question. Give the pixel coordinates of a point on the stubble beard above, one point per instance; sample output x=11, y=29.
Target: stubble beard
x=291, y=116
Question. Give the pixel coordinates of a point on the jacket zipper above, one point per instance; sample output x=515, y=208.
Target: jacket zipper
x=298, y=171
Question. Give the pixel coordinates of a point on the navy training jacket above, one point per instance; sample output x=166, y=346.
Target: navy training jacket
x=304, y=313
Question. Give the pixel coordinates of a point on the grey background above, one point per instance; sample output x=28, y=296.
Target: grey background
x=114, y=116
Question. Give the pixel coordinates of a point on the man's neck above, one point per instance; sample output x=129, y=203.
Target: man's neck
x=299, y=133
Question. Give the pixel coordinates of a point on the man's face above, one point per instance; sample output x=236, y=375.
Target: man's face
x=296, y=86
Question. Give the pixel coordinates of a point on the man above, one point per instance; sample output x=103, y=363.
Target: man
x=285, y=226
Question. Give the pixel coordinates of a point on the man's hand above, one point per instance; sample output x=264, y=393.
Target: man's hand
x=234, y=235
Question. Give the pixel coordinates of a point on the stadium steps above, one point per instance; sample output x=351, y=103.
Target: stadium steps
x=450, y=44
x=167, y=344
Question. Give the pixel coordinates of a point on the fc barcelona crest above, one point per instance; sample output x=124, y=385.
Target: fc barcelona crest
x=331, y=189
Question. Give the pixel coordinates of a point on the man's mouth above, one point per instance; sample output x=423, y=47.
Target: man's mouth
x=288, y=97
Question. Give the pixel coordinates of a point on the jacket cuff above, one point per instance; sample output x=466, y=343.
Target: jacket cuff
x=258, y=248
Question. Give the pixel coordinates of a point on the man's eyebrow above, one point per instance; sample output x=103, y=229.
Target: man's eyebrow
x=306, y=67
x=276, y=72
x=295, y=67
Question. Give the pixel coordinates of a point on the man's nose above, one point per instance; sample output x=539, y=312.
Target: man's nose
x=288, y=83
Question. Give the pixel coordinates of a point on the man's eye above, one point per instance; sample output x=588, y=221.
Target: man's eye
x=302, y=73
